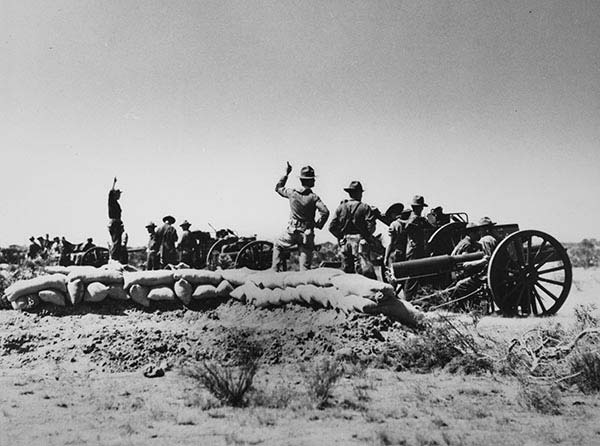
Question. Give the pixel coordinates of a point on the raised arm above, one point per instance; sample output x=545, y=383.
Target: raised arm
x=280, y=186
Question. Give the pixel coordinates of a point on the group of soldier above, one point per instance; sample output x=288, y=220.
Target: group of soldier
x=353, y=225
x=162, y=248
x=56, y=248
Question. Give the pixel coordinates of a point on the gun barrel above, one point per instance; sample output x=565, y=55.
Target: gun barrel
x=431, y=266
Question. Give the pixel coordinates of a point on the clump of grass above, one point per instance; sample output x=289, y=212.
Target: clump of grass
x=542, y=398
x=229, y=381
x=585, y=366
x=585, y=318
x=320, y=378
x=441, y=343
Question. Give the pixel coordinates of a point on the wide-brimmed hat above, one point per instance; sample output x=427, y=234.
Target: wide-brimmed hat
x=151, y=224
x=185, y=224
x=486, y=221
x=354, y=186
x=394, y=211
x=418, y=200
x=437, y=209
x=307, y=173
x=169, y=219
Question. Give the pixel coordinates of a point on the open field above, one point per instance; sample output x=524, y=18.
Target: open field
x=76, y=377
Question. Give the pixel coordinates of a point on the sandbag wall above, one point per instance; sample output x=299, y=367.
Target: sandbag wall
x=322, y=287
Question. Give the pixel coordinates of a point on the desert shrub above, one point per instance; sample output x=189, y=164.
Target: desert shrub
x=441, y=343
x=542, y=398
x=585, y=254
x=230, y=379
x=585, y=318
x=585, y=367
x=278, y=397
x=320, y=378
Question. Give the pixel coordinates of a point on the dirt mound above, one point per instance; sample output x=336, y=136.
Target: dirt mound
x=120, y=337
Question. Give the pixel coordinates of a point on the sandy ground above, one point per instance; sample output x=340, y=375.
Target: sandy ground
x=76, y=378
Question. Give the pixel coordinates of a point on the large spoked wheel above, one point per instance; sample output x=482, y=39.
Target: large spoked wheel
x=445, y=238
x=257, y=255
x=530, y=272
x=96, y=256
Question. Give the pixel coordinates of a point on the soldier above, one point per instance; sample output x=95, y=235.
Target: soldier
x=396, y=250
x=34, y=248
x=437, y=218
x=415, y=240
x=153, y=261
x=168, y=237
x=88, y=245
x=488, y=240
x=304, y=204
x=187, y=245
x=115, y=224
x=469, y=242
x=353, y=225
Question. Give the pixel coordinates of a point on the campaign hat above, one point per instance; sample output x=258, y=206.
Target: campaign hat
x=185, y=224
x=151, y=225
x=169, y=219
x=418, y=200
x=307, y=173
x=354, y=186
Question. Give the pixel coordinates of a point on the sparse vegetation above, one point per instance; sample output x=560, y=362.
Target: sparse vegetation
x=320, y=378
x=229, y=381
x=585, y=254
x=543, y=398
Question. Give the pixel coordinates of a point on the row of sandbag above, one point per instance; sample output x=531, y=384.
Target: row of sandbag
x=323, y=287
x=72, y=285
x=327, y=288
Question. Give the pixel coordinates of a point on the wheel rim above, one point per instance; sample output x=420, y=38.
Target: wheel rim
x=445, y=238
x=530, y=273
x=256, y=255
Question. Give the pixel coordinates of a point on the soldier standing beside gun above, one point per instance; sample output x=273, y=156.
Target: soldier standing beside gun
x=304, y=204
x=353, y=225
x=415, y=240
x=168, y=237
x=187, y=245
x=115, y=224
x=153, y=261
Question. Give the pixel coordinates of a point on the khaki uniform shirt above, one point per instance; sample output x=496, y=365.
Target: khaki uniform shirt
x=304, y=204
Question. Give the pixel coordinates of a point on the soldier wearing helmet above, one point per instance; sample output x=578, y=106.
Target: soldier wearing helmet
x=304, y=207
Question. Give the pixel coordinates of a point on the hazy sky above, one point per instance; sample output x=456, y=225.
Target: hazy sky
x=491, y=107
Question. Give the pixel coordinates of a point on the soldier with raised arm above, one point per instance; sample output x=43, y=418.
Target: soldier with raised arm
x=304, y=206
x=115, y=224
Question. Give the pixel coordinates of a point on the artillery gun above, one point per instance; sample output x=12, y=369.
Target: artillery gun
x=529, y=272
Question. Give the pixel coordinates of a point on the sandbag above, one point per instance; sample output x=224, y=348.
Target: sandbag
x=106, y=276
x=76, y=291
x=362, y=286
x=322, y=277
x=57, y=269
x=117, y=292
x=350, y=303
x=269, y=279
x=53, y=297
x=239, y=293
x=95, y=292
x=398, y=310
x=290, y=296
x=204, y=292
x=198, y=276
x=33, y=286
x=183, y=290
x=139, y=294
x=237, y=277
x=224, y=289
x=25, y=302
x=161, y=293
x=148, y=278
